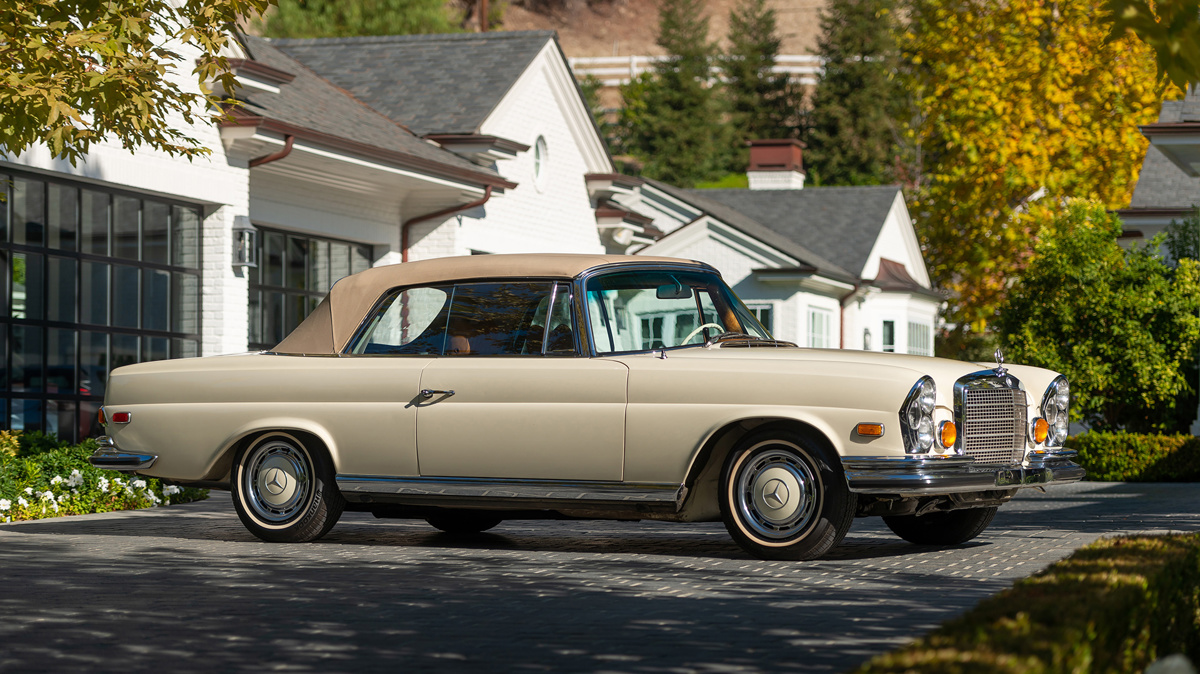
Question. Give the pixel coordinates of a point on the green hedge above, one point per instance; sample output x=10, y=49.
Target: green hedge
x=1115, y=606
x=1130, y=457
x=43, y=477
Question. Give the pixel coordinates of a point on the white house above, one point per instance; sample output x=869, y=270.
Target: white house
x=140, y=256
x=835, y=267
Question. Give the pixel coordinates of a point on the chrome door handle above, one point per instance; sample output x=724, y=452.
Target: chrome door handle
x=428, y=393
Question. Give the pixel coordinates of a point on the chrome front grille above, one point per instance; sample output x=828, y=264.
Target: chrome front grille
x=993, y=421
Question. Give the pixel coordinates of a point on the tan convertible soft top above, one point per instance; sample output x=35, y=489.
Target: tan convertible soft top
x=333, y=322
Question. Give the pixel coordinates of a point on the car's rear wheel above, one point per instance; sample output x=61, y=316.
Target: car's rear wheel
x=463, y=521
x=284, y=489
x=784, y=496
x=945, y=528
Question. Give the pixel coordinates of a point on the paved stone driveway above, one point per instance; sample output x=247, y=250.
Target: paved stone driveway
x=186, y=588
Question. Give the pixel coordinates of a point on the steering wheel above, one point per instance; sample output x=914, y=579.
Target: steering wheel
x=695, y=332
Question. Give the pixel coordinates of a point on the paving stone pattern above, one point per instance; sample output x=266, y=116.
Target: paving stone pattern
x=186, y=588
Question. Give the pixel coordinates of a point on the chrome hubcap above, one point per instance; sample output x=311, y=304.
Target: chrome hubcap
x=277, y=480
x=778, y=494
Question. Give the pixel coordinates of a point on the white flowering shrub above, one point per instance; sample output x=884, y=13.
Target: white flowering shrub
x=46, y=478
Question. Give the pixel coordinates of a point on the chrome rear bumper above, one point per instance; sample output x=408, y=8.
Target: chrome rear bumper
x=912, y=475
x=110, y=457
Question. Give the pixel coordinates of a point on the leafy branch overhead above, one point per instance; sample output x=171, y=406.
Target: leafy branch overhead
x=1170, y=27
x=75, y=72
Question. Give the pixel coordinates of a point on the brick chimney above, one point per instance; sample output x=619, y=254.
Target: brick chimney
x=775, y=164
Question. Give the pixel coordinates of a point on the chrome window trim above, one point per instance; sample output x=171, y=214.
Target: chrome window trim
x=983, y=379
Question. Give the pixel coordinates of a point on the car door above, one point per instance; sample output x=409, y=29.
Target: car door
x=511, y=399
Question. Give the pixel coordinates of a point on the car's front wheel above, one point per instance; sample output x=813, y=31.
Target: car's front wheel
x=784, y=496
x=284, y=489
x=946, y=528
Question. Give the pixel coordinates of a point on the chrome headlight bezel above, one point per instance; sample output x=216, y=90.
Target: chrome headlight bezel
x=916, y=417
x=1055, y=409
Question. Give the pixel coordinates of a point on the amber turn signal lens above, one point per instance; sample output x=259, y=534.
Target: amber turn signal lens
x=870, y=430
x=100, y=417
x=1041, y=430
x=948, y=434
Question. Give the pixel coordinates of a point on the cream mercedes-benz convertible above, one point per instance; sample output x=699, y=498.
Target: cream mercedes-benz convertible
x=466, y=391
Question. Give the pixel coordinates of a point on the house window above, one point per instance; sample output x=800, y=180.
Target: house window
x=90, y=279
x=540, y=159
x=920, y=339
x=889, y=336
x=765, y=315
x=818, y=328
x=293, y=274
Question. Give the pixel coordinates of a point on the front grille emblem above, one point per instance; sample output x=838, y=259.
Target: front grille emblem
x=1000, y=371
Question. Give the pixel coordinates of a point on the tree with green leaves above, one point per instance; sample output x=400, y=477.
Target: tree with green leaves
x=672, y=121
x=75, y=72
x=352, y=18
x=1170, y=27
x=763, y=103
x=1122, y=325
x=1017, y=104
x=851, y=129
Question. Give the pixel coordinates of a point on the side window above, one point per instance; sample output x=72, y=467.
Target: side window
x=411, y=321
x=498, y=319
x=560, y=332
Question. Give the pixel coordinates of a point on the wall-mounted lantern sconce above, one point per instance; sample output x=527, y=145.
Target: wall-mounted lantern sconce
x=245, y=242
x=866, y=339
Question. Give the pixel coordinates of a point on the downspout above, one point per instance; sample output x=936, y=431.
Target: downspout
x=487, y=194
x=275, y=156
x=842, y=316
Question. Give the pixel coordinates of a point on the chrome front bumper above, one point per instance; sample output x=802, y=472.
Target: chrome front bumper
x=912, y=475
x=110, y=457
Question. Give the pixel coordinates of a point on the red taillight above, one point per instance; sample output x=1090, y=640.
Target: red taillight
x=100, y=417
x=121, y=417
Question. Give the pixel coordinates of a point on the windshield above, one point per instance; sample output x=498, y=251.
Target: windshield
x=649, y=310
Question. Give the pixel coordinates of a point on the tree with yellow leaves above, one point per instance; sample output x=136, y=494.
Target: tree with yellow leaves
x=1018, y=104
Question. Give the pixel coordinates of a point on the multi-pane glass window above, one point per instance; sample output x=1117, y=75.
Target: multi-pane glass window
x=90, y=279
x=920, y=339
x=765, y=315
x=819, y=323
x=293, y=274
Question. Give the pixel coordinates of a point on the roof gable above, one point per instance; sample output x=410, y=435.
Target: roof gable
x=309, y=102
x=754, y=227
x=839, y=224
x=462, y=77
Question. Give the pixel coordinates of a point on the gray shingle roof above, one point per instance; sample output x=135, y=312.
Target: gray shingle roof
x=1162, y=184
x=741, y=221
x=840, y=224
x=312, y=103
x=460, y=78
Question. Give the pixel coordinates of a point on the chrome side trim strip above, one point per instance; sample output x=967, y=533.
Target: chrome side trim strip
x=950, y=474
x=577, y=493
x=110, y=457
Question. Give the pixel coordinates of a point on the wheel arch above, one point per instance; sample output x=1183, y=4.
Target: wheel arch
x=704, y=474
x=312, y=435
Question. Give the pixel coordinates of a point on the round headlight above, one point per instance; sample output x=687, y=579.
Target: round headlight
x=1062, y=394
x=925, y=434
x=928, y=397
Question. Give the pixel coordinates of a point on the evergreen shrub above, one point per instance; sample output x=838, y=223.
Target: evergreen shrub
x=1133, y=457
x=1115, y=606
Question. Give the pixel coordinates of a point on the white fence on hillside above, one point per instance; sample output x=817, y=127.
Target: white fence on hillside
x=616, y=70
